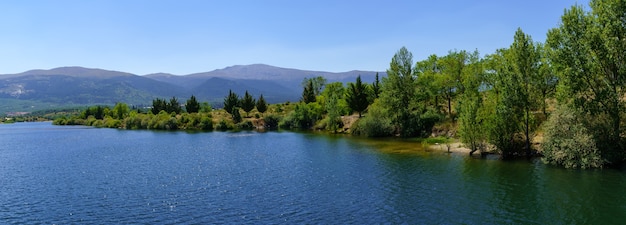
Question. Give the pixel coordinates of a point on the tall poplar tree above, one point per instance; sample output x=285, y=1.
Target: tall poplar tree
x=399, y=95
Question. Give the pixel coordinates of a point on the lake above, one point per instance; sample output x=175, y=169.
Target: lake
x=73, y=174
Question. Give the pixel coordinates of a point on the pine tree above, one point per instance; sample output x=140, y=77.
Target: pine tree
x=308, y=94
x=231, y=101
x=357, y=96
x=192, y=105
x=261, y=105
x=247, y=103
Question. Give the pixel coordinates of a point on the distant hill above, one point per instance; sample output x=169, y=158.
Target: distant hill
x=70, y=86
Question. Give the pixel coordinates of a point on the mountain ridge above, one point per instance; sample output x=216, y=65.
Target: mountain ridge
x=73, y=85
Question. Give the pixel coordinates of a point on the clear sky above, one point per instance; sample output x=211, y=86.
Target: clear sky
x=184, y=36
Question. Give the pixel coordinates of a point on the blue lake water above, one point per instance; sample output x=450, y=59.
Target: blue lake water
x=72, y=174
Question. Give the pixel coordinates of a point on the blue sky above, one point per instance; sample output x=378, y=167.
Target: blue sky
x=184, y=36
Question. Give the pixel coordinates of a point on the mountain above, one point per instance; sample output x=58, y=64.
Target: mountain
x=39, y=89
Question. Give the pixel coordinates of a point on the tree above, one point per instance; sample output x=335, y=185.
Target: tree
x=525, y=63
x=470, y=105
x=192, y=105
x=375, y=88
x=588, y=51
x=399, y=95
x=431, y=80
x=205, y=107
x=158, y=105
x=308, y=94
x=333, y=94
x=261, y=105
x=235, y=114
x=120, y=111
x=451, y=69
x=357, y=96
x=174, y=106
x=247, y=103
x=231, y=101
x=547, y=80
x=317, y=83
x=568, y=142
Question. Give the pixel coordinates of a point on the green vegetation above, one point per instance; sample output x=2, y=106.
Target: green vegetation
x=492, y=104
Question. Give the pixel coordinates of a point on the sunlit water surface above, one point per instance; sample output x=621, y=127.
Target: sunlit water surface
x=71, y=174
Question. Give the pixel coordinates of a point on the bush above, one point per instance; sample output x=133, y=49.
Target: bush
x=271, y=121
x=224, y=125
x=245, y=125
x=568, y=143
x=374, y=124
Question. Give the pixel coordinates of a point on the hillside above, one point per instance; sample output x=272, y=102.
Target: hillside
x=70, y=86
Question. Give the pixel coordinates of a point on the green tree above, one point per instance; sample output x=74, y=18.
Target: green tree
x=317, y=84
x=247, y=103
x=470, y=105
x=192, y=105
x=588, y=51
x=568, y=142
x=525, y=63
x=231, y=101
x=399, y=94
x=308, y=94
x=431, y=81
x=547, y=80
x=375, y=88
x=451, y=69
x=174, y=106
x=261, y=105
x=158, y=105
x=357, y=96
x=333, y=94
x=120, y=111
x=235, y=114
x=205, y=107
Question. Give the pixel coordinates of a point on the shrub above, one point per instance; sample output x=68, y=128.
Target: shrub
x=224, y=125
x=568, y=142
x=375, y=124
x=272, y=121
x=245, y=125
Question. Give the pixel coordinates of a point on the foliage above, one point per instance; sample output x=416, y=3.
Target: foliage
x=174, y=106
x=303, y=116
x=120, y=111
x=374, y=124
x=245, y=125
x=224, y=125
x=399, y=94
x=567, y=141
x=357, y=96
x=587, y=50
x=231, y=101
x=236, y=116
x=375, y=88
x=333, y=94
x=192, y=105
x=317, y=84
x=470, y=107
x=272, y=121
x=205, y=107
x=308, y=94
x=261, y=105
x=247, y=103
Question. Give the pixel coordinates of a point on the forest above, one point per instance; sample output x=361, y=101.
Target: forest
x=562, y=99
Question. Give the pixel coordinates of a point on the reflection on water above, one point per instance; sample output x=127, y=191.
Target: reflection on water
x=51, y=174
